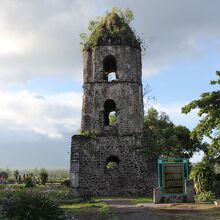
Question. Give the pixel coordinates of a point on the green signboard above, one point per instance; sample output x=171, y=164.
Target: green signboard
x=172, y=173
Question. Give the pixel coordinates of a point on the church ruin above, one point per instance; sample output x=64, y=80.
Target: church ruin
x=108, y=157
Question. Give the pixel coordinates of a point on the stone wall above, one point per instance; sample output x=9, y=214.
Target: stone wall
x=126, y=91
x=129, y=66
x=132, y=177
x=127, y=97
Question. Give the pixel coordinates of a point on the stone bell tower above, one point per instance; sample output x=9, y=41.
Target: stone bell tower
x=108, y=157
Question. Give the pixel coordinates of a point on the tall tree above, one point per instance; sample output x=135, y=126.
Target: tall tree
x=16, y=173
x=163, y=138
x=209, y=112
x=43, y=176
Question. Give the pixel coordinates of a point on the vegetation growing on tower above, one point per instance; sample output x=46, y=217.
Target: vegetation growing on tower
x=112, y=29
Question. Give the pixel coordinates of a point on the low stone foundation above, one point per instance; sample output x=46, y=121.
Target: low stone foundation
x=134, y=175
x=159, y=197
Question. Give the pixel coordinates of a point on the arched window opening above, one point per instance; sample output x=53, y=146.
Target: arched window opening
x=110, y=68
x=109, y=112
x=112, y=163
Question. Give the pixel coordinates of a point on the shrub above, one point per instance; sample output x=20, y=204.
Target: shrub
x=203, y=176
x=29, y=182
x=205, y=197
x=43, y=176
x=26, y=206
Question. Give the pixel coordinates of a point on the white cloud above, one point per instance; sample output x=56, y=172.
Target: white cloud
x=197, y=157
x=41, y=38
x=50, y=115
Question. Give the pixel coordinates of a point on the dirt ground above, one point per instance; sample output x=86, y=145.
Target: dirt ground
x=187, y=211
x=124, y=210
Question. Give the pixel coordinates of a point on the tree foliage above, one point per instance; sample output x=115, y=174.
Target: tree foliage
x=163, y=138
x=16, y=173
x=43, y=176
x=29, y=182
x=209, y=111
x=4, y=174
x=203, y=175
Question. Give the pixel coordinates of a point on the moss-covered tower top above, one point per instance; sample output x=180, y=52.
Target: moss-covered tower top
x=112, y=30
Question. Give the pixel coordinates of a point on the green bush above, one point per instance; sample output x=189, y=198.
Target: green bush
x=203, y=176
x=29, y=182
x=26, y=206
x=205, y=197
x=43, y=176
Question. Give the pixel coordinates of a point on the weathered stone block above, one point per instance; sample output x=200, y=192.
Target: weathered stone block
x=157, y=195
x=190, y=191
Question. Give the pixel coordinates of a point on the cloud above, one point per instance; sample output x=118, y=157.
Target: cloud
x=51, y=115
x=176, y=31
x=41, y=38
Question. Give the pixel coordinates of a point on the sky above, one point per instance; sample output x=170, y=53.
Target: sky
x=41, y=68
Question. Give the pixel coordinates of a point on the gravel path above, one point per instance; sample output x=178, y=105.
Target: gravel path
x=124, y=210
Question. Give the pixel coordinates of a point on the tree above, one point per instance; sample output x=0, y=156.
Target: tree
x=209, y=111
x=163, y=138
x=203, y=175
x=43, y=176
x=16, y=173
x=4, y=175
x=29, y=182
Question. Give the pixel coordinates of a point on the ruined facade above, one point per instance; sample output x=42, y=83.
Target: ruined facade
x=108, y=157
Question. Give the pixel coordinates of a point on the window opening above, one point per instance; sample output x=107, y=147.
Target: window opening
x=112, y=163
x=110, y=68
x=109, y=112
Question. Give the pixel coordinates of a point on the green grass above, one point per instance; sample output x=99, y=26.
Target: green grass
x=89, y=210
x=72, y=206
x=142, y=200
x=86, y=206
